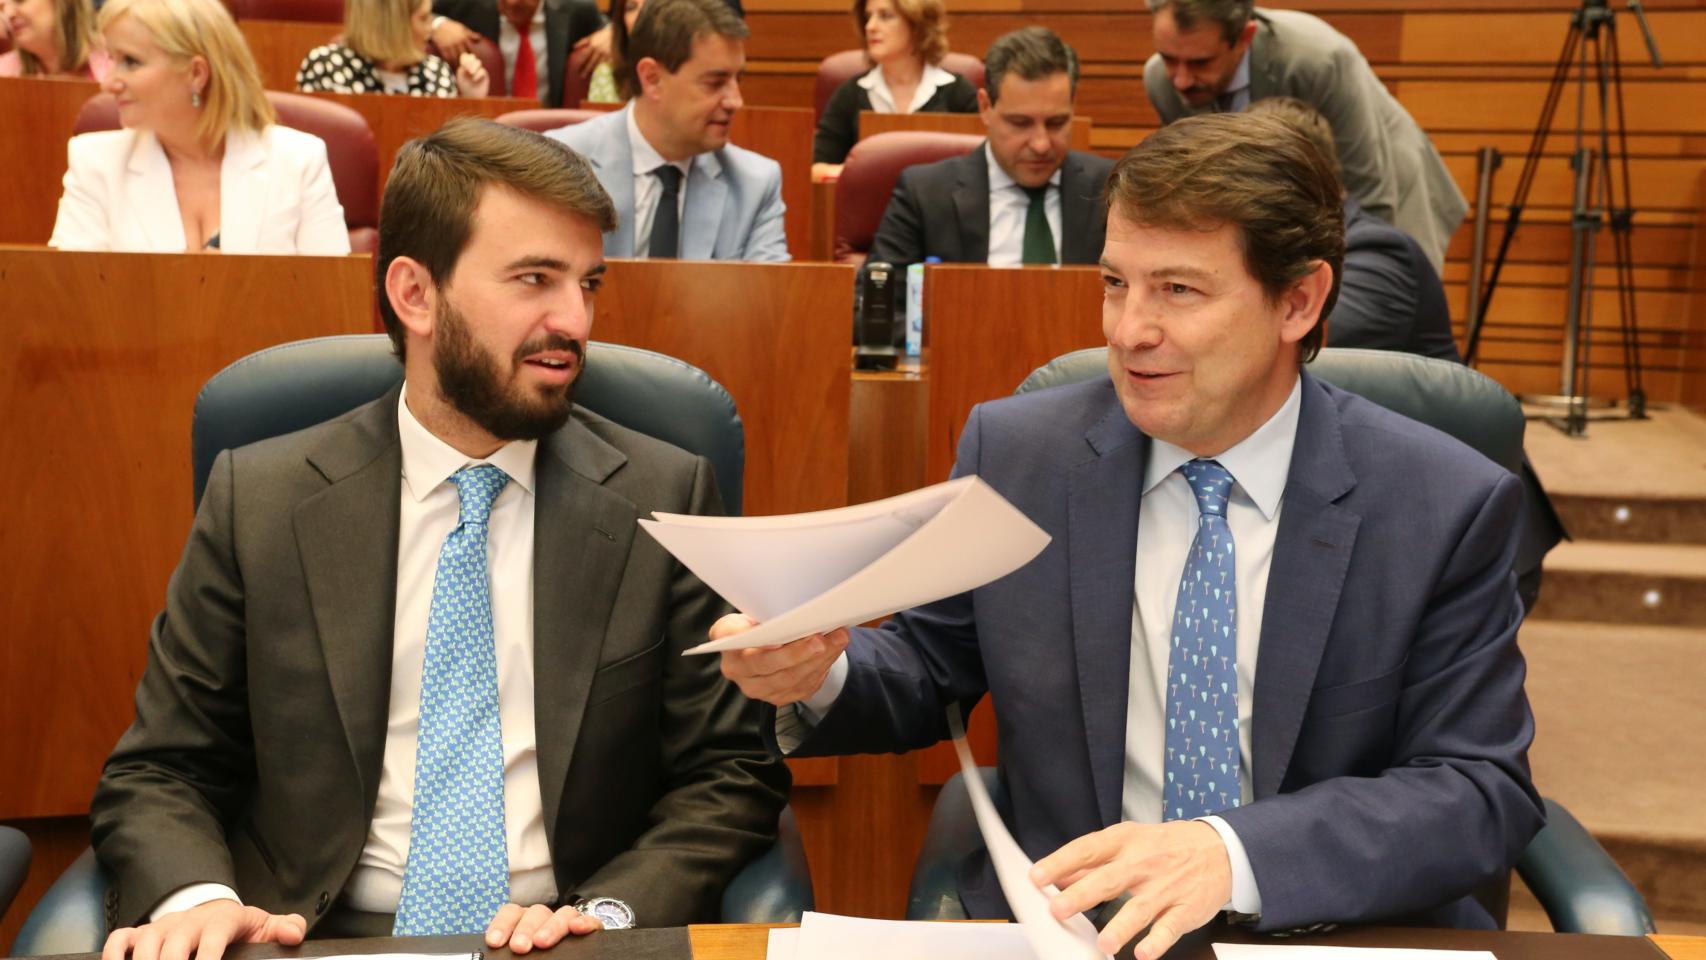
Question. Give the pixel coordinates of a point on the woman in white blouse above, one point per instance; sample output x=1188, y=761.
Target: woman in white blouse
x=200, y=164
x=905, y=40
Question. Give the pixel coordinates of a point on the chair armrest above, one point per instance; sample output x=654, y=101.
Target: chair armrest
x=14, y=864
x=1581, y=888
x=777, y=886
x=951, y=837
x=71, y=917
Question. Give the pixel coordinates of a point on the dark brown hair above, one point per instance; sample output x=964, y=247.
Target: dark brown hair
x=618, y=17
x=1229, y=15
x=1308, y=122
x=1257, y=173
x=928, y=20
x=1030, y=53
x=666, y=29
x=428, y=211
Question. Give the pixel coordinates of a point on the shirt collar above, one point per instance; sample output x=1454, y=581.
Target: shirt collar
x=999, y=179
x=429, y=461
x=646, y=158
x=1259, y=463
x=932, y=78
x=1240, y=77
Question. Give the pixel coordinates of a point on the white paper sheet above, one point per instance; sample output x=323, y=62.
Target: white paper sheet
x=782, y=944
x=824, y=936
x=1294, y=951
x=811, y=572
x=1074, y=937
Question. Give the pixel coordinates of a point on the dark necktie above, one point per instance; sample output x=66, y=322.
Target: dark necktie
x=666, y=223
x=1039, y=239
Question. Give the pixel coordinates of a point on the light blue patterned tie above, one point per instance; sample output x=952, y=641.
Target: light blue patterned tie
x=1202, y=666
x=458, y=871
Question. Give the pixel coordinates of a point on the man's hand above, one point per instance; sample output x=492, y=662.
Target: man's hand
x=205, y=931
x=598, y=43
x=1178, y=876
x=778, y=675
x=452, y=39
x=471, y=77
x=533, y=928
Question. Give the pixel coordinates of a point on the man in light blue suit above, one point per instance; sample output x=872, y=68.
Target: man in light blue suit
x=1267, y=665
x=680, y=188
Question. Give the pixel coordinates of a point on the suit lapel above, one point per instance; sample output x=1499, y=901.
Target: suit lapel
x=242, y=193
x=582, y=534
x=1264, y=72
x=613, y=160
x=556, y=52
x=152, y=195
x=347, y=537
x=1102, y=551
x=971, y=203
x=1076, y=213
x=707, y=191
x=1312, y=553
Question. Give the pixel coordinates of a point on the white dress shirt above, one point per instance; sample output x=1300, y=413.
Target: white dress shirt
x=509, y=42
x=1008, y=206
x=882, y=100
x=1166, y=524
x=648, y=188
x=428, y=513
x=1167, y=521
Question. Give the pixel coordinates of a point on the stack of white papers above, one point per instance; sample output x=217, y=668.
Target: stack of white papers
x=812, y=572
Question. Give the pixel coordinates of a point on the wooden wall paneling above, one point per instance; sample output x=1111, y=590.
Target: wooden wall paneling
x=1537, y=37
x=54, y=843
x=784, y=134
x=115, y=347
x=280, y=45
x=872, y=123
x=396, y=120
x=36, y=117
x=1692, y=390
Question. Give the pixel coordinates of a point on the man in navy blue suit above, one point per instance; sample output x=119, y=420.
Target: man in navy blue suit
x=1267, y=665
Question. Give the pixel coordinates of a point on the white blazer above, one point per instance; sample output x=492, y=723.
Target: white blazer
x=275, y=195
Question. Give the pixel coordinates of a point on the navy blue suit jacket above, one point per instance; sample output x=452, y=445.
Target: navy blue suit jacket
x=1390, y=728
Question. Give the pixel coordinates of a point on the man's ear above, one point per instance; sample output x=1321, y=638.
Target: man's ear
x=1248, y=34
x=1304, y=302
x=413, y=295
x=985, y=107
x=650, y=73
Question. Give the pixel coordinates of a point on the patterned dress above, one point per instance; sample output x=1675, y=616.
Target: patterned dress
x=336, y=68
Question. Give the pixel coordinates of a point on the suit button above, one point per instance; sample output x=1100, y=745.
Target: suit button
x=321, y=904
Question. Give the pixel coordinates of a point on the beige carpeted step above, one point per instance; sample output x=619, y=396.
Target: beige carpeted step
x=1633, y=519
x=1646, y=583
x=1620, y=716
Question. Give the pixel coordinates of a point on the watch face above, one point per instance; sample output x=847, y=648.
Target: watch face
x=614, y=914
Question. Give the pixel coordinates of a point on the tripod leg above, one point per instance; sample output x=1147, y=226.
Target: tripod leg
x=1623, y=240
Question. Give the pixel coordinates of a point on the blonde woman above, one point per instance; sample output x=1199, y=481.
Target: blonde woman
x=904, y=42
x=199, y=164
x=384, y=51
x=51, y=38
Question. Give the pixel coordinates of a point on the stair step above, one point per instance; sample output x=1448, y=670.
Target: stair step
x=1633, y=519
x=1624, y=583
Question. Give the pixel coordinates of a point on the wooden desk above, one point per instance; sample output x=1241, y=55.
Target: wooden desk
x=99, y=366
x=36, y=117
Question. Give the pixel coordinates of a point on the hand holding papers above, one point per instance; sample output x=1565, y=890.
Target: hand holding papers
x=808, y=573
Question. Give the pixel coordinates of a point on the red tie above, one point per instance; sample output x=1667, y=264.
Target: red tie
x=526, y=68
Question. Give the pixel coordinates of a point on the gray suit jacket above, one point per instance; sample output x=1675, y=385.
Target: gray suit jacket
x=1390, y=727
x=941, y=209
x=566, y=22
x=255, y=755
x=734, y=203
x=1391, y=167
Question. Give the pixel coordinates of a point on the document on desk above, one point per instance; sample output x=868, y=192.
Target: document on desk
x=1297, y=951
x=1071, y=939
x=825, y=936
x=810, y=572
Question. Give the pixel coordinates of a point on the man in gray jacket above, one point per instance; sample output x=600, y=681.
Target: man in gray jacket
x=1223, y=55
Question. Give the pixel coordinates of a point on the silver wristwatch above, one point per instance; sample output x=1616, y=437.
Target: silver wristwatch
x=613, y=913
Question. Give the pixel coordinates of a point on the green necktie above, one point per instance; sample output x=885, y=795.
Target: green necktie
x=1039, y=239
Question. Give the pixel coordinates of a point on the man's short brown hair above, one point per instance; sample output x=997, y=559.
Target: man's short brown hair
x=1257, y=173
x=665, y=31
x=1307, y=120
x=1029, y=53
x=428, y=211
x=1229, y=15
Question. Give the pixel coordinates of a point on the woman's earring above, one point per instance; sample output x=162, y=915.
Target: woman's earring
x=195, y=99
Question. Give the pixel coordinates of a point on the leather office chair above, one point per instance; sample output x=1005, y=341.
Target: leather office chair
x=868, y=179
x=838, y=68
x=350, y=151
x=544, y=120
x=307, y=11
x=14, y=864
x=1578, y=884
x=295, y=385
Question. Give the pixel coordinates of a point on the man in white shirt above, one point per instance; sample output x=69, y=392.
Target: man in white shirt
x=1022, y=197
x=681, y=189
x=417, y=673
x=1267, y=665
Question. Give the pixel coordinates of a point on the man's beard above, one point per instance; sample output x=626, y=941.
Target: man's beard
x=471, y=381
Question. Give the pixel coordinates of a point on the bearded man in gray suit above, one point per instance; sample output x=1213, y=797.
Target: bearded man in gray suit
x=416, y=660
x=1223, y=55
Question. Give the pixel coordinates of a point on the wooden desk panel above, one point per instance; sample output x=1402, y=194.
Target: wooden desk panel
x=280, y=45
x=784, y=134
x=872, y=123
x=99, y=368
x=36, y=117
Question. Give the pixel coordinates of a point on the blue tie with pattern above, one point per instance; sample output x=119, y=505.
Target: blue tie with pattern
x=1202, y=666
x=457, y=874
